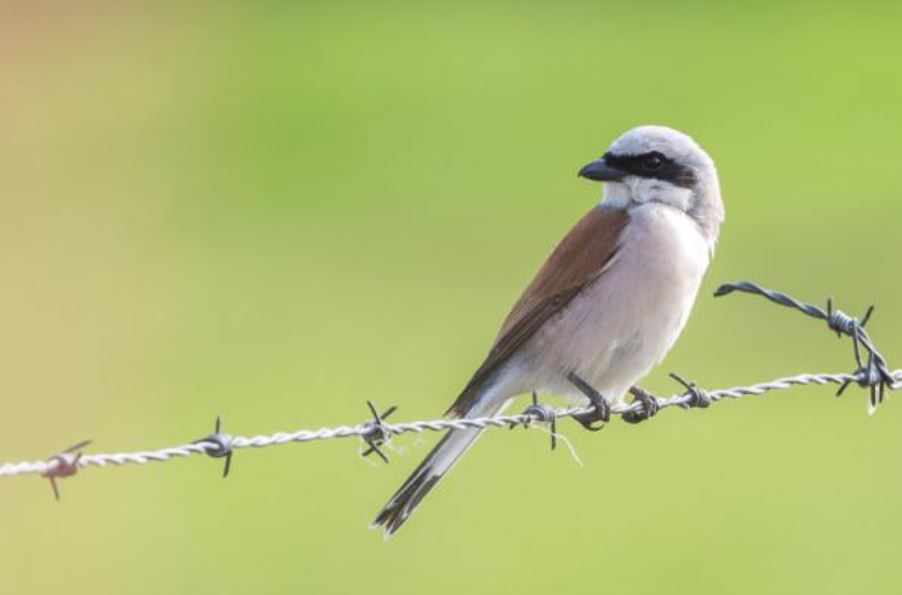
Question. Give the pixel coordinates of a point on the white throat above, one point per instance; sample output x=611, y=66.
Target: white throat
x=634, y=190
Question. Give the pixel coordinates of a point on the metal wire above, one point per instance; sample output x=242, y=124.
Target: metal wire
x=876, y=375
x=377, y=431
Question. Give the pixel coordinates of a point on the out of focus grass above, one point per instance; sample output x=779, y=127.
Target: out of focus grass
x=275, y=212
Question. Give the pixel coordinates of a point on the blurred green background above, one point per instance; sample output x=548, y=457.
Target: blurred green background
x=275, y=211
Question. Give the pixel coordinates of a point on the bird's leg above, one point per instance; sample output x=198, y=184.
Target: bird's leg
x=601, y=411
x=649, y=405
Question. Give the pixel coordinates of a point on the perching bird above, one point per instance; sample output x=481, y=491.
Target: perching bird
x=606, y=306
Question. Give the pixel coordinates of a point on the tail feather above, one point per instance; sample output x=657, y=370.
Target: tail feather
x=423, y=479
x=487, y=399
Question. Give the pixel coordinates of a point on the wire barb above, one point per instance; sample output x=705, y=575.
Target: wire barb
x=64, y=464
x=377, y=433
x=698, y=397
x=218, y=445
x=541, y=413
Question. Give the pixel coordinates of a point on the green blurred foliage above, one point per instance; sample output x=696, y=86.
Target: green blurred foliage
x=274, y=211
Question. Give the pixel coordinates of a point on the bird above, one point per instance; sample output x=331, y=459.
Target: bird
x=606, y=306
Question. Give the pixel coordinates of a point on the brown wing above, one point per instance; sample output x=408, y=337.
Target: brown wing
x=573, y=265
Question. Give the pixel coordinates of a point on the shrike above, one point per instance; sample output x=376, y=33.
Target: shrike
x=606, y=306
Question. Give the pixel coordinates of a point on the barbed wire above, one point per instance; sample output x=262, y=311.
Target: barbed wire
x=874, y=375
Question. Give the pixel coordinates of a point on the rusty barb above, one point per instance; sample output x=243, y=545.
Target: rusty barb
x=872, y=372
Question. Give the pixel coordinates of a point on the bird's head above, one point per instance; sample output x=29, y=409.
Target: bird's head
x=660, y=164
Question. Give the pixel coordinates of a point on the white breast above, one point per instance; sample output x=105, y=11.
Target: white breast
x=620, y=327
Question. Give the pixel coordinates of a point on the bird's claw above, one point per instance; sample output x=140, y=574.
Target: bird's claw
x=601, y=410
x=600, y=414
x=649, y=408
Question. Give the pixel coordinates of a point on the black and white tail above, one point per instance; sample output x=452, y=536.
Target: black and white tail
x=454, y=444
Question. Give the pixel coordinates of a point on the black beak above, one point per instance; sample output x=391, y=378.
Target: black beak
x=600, y=171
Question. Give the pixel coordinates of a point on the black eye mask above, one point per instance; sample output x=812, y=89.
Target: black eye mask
x=653, y=165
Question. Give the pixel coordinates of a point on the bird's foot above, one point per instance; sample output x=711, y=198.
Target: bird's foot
x=649, y=408
x=601, y=411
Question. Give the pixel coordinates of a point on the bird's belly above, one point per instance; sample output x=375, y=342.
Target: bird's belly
x=614, y=332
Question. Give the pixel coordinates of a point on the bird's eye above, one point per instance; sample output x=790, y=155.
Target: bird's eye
x=653, y=162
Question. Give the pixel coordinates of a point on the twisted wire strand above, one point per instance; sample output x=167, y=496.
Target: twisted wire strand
x=837, y=320
x=876, y=376
x=528, y=418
